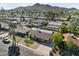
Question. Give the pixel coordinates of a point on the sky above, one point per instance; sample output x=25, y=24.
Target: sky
x=14, y=5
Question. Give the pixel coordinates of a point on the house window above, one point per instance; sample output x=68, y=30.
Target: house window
x=35, y=37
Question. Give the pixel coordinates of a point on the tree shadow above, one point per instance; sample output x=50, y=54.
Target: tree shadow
x=13, y=51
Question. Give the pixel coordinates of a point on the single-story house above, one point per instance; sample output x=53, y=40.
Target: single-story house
x=54, y=25
x=40, y=34
x=41, y=17
x=22, y=31
x=38, y=23
x=25, y=18
x=4, y=25
x=60, y=19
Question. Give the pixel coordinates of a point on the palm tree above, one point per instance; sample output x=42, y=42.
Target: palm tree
x=13, y=50
x=12, y=28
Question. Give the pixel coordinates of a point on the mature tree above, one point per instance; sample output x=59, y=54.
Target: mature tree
x=69, y=43
x=77, y=30
x=57, y=38
x=13, y=14
x=75, y=24
x=50, y=15
x=72, y=48
x=68, y=17
x=70, y=28
x=65, y=48
x=63, y=28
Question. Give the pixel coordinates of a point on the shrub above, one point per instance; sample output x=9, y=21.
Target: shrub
x=28, y=42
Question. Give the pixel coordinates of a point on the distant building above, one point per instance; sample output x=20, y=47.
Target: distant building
x=4, y=25
x=25, y=18
x=38, y=23
x=54, y=25
x=60, y=19
x=9, y=19
x=43, y=18
x=73, y=19
x=40, y=34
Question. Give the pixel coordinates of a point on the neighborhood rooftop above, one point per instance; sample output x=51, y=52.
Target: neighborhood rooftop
x=42, y=30
x=55, y=23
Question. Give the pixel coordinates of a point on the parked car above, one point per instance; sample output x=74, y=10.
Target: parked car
x=6, y=41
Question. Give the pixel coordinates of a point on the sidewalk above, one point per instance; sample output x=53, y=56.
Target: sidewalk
x=44, y=49
x=41, y=49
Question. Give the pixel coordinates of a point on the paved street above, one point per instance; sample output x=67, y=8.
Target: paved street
x=23, y=51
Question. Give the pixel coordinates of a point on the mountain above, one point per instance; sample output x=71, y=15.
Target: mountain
x=41, y=8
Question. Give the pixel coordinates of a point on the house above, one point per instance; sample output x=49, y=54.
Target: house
x=73, y=19
x=22, y=31
x=41, y=17
x=54, y=25
x=9, y=19
x=40, y=34
x=4, y=25
x=38, y=23
x=25, y=18
x=60, y=19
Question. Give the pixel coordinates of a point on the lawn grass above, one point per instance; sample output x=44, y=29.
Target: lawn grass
x=28, y=41
x=18, y=38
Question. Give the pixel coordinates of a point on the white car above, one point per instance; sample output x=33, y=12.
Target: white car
x=6, y=41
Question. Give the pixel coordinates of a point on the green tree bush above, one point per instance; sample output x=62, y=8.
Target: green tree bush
x=57, y=38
